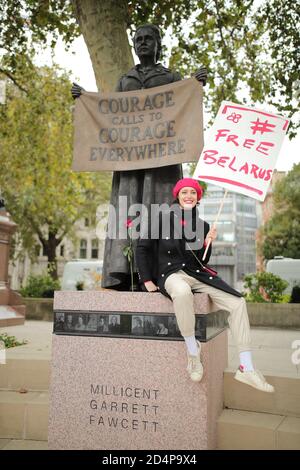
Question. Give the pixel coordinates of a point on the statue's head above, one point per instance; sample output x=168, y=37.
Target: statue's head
x=147, y=41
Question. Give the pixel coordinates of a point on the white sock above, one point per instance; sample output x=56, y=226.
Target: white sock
x=191, y=345
x=246, y=361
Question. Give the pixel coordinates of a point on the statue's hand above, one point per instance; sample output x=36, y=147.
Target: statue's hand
x=76, y=90
x=201, y=75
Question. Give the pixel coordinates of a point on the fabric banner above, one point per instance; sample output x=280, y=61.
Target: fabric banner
x=242, y=148
x=139, y=129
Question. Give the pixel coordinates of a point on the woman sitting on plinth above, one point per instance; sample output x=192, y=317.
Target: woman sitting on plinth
x=180, y=245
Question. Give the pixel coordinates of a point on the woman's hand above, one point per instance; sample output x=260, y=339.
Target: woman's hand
x=212, y=235
x=150, y=286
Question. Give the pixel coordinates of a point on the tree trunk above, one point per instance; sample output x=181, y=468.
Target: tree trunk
x=50, y=250
x=103, y=25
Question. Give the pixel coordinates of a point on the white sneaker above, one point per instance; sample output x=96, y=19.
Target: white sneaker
x=255, y=379
x=194, y=367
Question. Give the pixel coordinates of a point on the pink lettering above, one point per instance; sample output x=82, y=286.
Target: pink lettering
x=260, y=148
x=249, y=142
x=254, y=170
x=231, y=163
x=222, y=160
x=209, y=154
x=269, y=174
x=245, y=168
x=221, y=133
x=232, y=138
x=261, y=174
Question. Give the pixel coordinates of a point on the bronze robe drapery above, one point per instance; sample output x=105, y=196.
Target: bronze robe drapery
x=149, y=186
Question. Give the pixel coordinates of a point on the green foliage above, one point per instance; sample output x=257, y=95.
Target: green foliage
x=250, y=43
x=264, y=287
x=40, y=286
x=163, y=13
x=44, y=196
x=27, y=25
x=241, y=43
x=282, y=22
x=128, y=252
x=286, y=298
x=282, y=232
x=225, y=38
x=11, y=341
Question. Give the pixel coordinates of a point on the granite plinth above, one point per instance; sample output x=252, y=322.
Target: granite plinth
x=130, y=393
x=124, y=301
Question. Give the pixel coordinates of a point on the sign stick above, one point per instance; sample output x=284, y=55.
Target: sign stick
x=215, y=223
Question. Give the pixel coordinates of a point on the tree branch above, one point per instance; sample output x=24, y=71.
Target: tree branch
x=35, y=227
x=12, y=78
x=219, y=23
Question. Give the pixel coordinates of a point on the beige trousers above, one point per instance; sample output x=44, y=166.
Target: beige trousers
x=180, y=287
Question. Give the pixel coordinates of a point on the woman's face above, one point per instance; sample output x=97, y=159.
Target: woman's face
x=187, y=198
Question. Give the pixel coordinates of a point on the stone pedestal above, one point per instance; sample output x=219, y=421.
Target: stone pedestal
x=121, y=383
x=12, y=311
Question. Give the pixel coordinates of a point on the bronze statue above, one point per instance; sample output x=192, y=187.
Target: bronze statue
x=149, y=186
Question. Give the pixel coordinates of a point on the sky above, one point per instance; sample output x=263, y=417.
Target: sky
x=77, y=61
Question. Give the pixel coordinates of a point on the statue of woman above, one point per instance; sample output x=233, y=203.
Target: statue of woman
x=148, y=186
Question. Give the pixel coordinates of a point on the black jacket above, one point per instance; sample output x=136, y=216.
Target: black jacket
x=168, y=253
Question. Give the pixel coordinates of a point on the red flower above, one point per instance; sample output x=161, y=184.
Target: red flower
x=129, y=223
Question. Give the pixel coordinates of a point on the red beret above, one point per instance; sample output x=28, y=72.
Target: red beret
x=187, y=183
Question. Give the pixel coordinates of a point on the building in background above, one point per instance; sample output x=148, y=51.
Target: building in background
x=266, y=210
x=85, y=245
x=234, y=251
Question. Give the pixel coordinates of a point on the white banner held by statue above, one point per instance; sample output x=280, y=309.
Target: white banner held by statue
x=138, y=129
x=242, y=149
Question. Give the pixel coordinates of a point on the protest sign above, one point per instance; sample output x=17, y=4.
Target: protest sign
x=242, y=149
x=146, y=128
